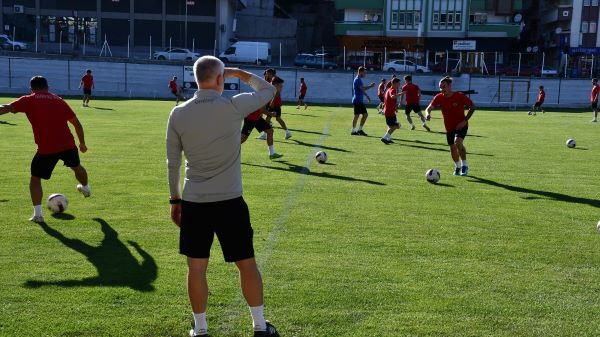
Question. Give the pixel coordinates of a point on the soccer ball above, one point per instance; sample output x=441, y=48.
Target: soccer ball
x=571, y=143
x=598, y=226
x=321, y=157
x=57, y=203
x=432, y=175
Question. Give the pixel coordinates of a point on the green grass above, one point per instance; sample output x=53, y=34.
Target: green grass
x=360, y=246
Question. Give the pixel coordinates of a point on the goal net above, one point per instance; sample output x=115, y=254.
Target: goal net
x=513, y=93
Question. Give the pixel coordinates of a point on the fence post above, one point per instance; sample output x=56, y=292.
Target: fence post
x=84, y=44
x=150, y=48
x=344, y=61
x=566, y=64
x=9, y=73
x=365, y=57
x=36, y=40
x=69, y=74
x=495, y=64
x=446, y=61
x=543, y=62
x=559, y=85
x=519, y=67
x=592, y=69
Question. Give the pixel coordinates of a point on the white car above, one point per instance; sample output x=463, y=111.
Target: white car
x=176, y=54
x=8, y=44
x=547, y=71
x=405, y=67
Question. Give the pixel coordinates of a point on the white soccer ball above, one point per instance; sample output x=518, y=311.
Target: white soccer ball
x=571, y=143
x=57, y=203
x=321, y=157
x=432, y=175
x=598, y=226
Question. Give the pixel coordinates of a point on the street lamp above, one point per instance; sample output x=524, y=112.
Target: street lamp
x=191, y=3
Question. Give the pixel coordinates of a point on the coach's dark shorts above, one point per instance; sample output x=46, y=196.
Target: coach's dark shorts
x=412, y=107
x=276, y=110
x=391, y=121
x=87, y=91
x=229, y=219
x=594, y=105
x=301, y=96
x=360, y=109
x=42, y=165
x=260, y=125
x=462, y=133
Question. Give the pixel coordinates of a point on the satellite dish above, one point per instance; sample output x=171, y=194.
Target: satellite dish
x=558, y=30
x=529, y=49
x=518, y=18
x=375, y=18
x=535, y=49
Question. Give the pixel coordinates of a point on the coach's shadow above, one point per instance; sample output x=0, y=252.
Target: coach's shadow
x=99, y=108
x=298, y=142
x=115, y=264
x=538, y=194
x=7, y=123
x=305, y=170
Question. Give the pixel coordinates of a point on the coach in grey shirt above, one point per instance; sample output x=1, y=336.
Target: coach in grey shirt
x=207, y=130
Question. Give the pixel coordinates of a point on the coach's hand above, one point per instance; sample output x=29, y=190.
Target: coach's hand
x=176, y=214
x=82, y=148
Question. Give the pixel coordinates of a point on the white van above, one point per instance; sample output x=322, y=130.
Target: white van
x=248, y=52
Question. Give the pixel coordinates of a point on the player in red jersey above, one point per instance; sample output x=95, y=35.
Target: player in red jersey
x=538, y=102
x=255, y=121
x=87, y=82
x=381, y=88
x=456, y=123
x=176, y=90
x=389, y=110
x=48, y=115
x=411, y=93
x=274, y=107
x=594, y=99
x=303, y=89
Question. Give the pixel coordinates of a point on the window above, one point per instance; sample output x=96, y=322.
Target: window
x=457, y=18
x=405, y=14
x=592, y=27
x=586, y=2
x=436, y=19
x=394, y=20
x=584, y=27
x=230, y=50
x=594, y=2
x=409, y=20
x=401, y=20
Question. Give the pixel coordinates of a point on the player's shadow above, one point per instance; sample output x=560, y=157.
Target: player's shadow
x=402, y=141
x=443, y=185
x=306, y=131
x=63, y=216
x=537, y=194
x=305, y=170
x=298, y=142
x=7, y=123
x=99, y=108
x=4, y=200
x=297, y=114
x=115, y=264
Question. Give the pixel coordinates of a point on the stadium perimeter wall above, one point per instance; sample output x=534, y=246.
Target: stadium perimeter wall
x=120, y=79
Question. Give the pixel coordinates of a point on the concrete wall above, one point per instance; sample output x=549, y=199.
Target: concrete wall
x=117, y=79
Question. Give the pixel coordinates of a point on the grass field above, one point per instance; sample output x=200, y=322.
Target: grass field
x=360, y=246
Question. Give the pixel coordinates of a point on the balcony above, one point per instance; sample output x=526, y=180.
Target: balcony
x=494, y=30
x=359, y=28
x=359, y=4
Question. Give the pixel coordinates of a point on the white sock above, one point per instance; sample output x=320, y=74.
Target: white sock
x=37, y=210
x=457, y=163
x=353, y=130
x=287, y=132
x=387, y=136
x=271, y=149
x=258, y=318
x=464, y=163
x=200, y=325
x=360, y=128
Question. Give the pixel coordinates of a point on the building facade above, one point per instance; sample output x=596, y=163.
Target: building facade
x=182, y=23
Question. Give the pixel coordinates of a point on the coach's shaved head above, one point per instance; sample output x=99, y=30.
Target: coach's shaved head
x=207, y=69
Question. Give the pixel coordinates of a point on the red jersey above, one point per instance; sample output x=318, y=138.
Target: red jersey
x=303, y=88
x=254, y=116
x=48, y=115
x=173, y=85
x=453, y=108
x=389, y=103
x=412, y=93
x=88, y=81
x=541, y=96
x=594, y=96
x=381, y=89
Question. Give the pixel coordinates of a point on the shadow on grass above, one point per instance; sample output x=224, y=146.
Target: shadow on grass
x=304, y=170
x=313, y=132
x=443, y=185
x=297, y=114
x=298, y=142
x=115, y=264
x=63, y=216
x=7, y=123
x=4, y=200
x=538, y=194
x=401, y=142
x=98, y=108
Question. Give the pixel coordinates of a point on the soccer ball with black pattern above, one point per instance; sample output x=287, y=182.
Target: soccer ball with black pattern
x=571, y=143
x=321, y=157
x=57, y=203
x=432, y=175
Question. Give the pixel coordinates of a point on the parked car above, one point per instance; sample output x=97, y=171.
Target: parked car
x=7, y=43
x=313, y=61
x=405, y=67
x=247, y=52
x=548, y=71
x=176, y=54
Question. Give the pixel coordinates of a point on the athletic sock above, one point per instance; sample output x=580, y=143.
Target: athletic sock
x=457, y=163
x=353, y=130
x=360, y=128
x=271, y=149
x=464, y=163
x=258, y=318
x=200, y=325
x=37, y=210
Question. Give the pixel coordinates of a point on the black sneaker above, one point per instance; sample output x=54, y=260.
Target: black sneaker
x=270, y=332
x=354, y=133
x=361, y=132
x=456, y=171
x=385, y=141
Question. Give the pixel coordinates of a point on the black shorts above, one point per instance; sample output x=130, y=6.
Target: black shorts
x=381, y=98
x=360, y=109
x=462, y=133
x=174, y=93
x=412, y=107
x=87, y=91
x=301, y=96
x=391, y=121
x=260, y=125
x=229, y=219
x=537, y=104
x=42, y=165
x=276, y=110
x=594, y=105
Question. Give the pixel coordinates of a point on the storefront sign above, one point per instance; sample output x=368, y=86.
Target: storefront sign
x=463, y=45
x=584, y=50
